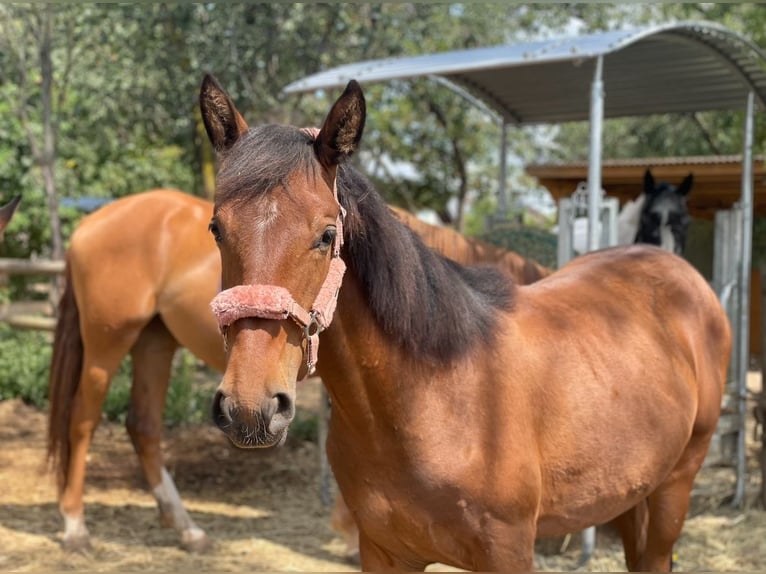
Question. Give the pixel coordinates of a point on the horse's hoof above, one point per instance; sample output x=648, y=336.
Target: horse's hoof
x=77, y=544
x=353, y=559
x=196, y=542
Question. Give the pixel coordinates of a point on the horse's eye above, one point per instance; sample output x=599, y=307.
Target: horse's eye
x=327, y=239
x=213, y=228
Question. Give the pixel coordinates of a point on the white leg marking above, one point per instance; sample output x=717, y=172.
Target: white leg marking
x=171, y=506
x=74, y=527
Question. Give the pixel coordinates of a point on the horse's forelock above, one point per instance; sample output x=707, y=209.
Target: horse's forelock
x=267, y=156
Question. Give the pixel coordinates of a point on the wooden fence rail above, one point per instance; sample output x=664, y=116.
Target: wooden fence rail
x=29, y=314
x=15, y=266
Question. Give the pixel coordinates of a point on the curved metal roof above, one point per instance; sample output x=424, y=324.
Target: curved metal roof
x=683, y=67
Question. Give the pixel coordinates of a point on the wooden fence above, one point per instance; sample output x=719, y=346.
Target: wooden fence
x=29, y=314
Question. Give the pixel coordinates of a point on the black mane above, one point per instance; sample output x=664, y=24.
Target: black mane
x=431, y=305
x=434, y=307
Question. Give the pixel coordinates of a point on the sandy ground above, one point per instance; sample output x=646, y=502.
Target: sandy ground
x=264, y=512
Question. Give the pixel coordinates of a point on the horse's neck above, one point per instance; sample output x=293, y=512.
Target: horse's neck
x=628, y=220
x=362, y=373
x=355, y=352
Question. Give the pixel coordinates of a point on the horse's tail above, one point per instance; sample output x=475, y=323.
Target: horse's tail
x=64, y=378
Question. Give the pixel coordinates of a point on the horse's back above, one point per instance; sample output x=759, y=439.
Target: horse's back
x=471, y=251
x=121, y=221
x=146, y=254
x=141, y=236
x=632, y=297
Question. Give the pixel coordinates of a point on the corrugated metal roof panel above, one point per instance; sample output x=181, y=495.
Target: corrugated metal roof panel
x=656, y=161
x=691, y=66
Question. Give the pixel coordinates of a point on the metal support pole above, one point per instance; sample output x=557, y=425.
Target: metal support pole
x=744, y=322
x=325, y=473
x=594, y=157
x=502, y=199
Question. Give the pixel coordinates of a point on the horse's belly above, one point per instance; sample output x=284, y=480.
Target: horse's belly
x=600, y=478
x=572, y=516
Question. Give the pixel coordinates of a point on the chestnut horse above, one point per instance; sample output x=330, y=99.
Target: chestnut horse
x=470, y=414
x=141, y=272
x=6, y=212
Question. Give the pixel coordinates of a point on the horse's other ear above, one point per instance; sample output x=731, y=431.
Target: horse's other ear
x=343, y=127
x=6, y=212
x=223, y=123
x=648, y=182
x=686, y=185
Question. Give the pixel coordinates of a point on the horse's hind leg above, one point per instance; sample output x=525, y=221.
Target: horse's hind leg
x=668, y=506
x=101, y=360
x=152, y=360
x=633, y=526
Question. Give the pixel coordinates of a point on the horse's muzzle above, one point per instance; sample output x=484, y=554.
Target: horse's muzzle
x=261, y=427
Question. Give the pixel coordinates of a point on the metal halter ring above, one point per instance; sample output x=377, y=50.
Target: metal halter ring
x=313, y=327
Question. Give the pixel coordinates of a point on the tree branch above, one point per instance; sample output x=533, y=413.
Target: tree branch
x=705, y=133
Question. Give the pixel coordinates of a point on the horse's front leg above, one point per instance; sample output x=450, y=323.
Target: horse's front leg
x=507, y=547
x=374, y=558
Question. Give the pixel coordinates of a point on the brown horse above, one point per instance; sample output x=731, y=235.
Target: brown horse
x=470, y=415
x=6, y=212
x=141, y=273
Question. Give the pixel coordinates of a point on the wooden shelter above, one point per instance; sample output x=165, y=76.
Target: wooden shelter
x=717, y=179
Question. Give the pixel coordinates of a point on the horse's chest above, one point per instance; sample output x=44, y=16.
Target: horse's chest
x=412, y=522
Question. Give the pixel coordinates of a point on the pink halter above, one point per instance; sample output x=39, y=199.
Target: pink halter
x=274, y=302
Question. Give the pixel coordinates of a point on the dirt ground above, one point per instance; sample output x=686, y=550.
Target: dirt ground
x=264, y=512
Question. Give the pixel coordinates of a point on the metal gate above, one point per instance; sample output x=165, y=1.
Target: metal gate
x=570, y=209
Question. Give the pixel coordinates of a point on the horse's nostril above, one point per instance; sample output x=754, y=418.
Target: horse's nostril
x=221, y=409
x=280, y=411
x=284, y=404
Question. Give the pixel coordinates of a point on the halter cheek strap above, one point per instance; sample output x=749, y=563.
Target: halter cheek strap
x=276, y=303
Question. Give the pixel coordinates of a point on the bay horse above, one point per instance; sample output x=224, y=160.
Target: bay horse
x=141, y=272
x=470, y=414
x=6, y=212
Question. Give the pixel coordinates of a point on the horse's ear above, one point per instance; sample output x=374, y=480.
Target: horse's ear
x=686, y=185
x=648, y=182
x=343, y=127
x=6, y=212
x=223, y=123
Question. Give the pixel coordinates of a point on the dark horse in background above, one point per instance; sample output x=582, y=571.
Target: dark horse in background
x=470, y=414
x=659, y=216
x=141, y=272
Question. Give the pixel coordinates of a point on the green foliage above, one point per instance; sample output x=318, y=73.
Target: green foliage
x=117, y=399
x=188, y=399
x=305, y=427
x=531, y=242
x=24, y=360
x=191, y=391
x=126, y=79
